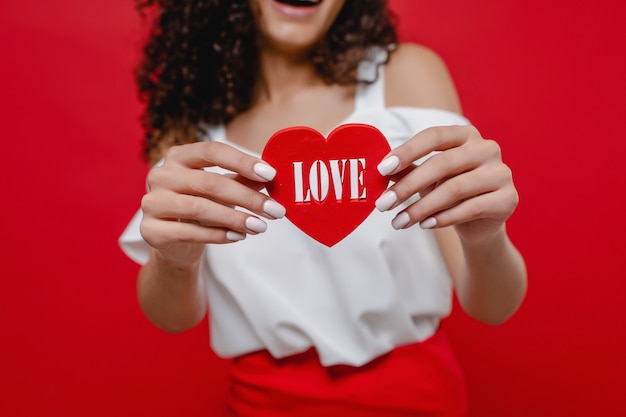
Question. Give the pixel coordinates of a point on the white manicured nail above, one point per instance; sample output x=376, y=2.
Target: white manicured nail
x=234, y=236
x=264, y=171
x=274, y=209
x=386, y=201
x=388, y=165
x=400, y=221
x=428, y=223
x=256, y=225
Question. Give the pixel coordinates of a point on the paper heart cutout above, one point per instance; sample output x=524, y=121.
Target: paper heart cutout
x=328, y=186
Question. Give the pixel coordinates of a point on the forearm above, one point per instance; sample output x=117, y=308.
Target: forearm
x=172, y=297
x=493, y=282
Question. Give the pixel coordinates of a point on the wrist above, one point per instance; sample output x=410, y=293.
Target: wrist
x=483, y=232
x=487, y=242
x=175, y=266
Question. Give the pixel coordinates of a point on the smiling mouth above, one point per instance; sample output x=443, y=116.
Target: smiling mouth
x=300, y=3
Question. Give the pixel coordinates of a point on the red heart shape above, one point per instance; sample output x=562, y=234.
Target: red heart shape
x=328, y=186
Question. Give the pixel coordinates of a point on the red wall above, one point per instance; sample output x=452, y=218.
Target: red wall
x=544, y=79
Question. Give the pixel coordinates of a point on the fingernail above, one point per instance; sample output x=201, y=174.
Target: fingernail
x=274, y=209
x=428, y=223
x=256, y=225
x=386, y=201
x=234, y=236
x=388, y=165
x=264, y=171
x=400, y=221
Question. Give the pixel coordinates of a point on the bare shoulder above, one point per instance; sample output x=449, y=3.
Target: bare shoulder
x=416, y=76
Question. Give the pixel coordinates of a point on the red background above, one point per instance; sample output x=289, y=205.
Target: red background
x=544, y=78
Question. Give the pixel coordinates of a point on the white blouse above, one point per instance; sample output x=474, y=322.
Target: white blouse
x=283, y=291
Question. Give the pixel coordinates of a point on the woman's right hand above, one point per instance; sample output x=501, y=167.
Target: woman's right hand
x=187, y=207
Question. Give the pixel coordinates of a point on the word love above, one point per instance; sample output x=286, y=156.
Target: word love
x=319, y=175
x=328, y=185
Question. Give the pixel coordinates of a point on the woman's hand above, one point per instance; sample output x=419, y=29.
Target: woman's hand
x=465, y=185
x=187, y=207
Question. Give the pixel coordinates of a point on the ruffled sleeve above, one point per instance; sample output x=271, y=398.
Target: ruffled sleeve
x=131, y=242
x=398, y=122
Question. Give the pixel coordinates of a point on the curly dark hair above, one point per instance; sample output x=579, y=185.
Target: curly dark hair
x=198, y=57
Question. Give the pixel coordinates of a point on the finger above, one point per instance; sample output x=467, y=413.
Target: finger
x=207, y=154
x=454, y=191
x=163, y=233
x=255, y=185
x=436, y=170
x=192, y=209
x=220, y=188
x=401, y=174
x=497, y=206
x=477, y=208
x=429, y=140
x=449, y=194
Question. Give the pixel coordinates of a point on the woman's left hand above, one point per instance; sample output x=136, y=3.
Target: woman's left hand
x=465, y=184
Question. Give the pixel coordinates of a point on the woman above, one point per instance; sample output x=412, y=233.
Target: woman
x=347, y=330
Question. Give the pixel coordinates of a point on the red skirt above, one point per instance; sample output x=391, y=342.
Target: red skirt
x=422, y=379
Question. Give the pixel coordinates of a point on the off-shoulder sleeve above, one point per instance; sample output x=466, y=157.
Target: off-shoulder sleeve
x=398, y=122
x=131, y=242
